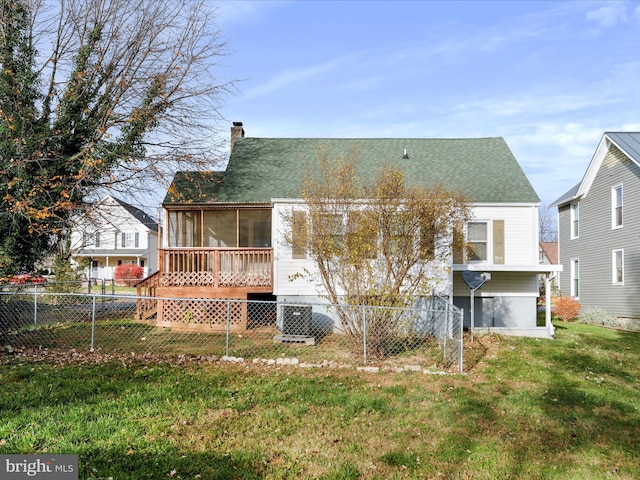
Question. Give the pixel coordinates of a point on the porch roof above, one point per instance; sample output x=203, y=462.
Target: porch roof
x=261, y=169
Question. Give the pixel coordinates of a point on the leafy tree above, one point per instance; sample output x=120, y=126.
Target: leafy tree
x=385, y=243
x=98, y=94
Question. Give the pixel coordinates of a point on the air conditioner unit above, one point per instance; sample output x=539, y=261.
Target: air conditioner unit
x=296, y=320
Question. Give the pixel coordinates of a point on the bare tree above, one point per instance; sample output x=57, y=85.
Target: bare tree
x=385, y=243
x=134, y=69
x=98, y=94
x=548, y=225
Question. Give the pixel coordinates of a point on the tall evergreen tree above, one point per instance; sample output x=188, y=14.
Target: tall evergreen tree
x=21, y=132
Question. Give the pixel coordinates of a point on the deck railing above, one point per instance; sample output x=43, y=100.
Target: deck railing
x=147, y=303
x=216, y=267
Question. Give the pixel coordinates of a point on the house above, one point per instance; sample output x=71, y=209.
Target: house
x=549, y=253
x=223, y=232
x=599, y=225
x=111, y=233
x=549, y=256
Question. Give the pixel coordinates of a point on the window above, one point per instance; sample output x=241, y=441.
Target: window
x=362, y=235
x=575, y=220
x=428, y=241
x=137, y=240
x=616, y=207
x=477, y=240
x=329, y=227
x=575, y=278
x=97, y=239
x=88, y=240
x=458, y=243
x=617, y=265
x=128, y=239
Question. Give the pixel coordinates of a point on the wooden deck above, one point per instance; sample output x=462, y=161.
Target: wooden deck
x=171, y=296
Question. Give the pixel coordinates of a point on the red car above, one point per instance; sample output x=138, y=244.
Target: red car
x=24, y=278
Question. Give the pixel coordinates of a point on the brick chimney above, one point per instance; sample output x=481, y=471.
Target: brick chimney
x=236, y=132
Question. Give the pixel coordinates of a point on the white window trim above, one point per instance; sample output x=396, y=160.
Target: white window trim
x=575, y=232
x=614, y=270
x=489, y=241
x=574, y=262
x=614, y=189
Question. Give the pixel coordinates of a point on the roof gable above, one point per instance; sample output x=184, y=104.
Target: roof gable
x=627, y=142
x=113, y=214
x=261, y=169
x=139, y=215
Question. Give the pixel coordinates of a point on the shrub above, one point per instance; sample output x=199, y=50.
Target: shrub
x=128, y=273
x=566, y=308
x=598, y=316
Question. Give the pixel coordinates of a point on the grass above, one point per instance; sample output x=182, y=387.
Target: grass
x=567, y=408
x=120, y=334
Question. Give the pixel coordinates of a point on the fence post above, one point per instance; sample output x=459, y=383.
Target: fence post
x=93, y=321
x=364, y=334
x=226, y=350
x=461, y=340
x=447, y=327
x=35, y=306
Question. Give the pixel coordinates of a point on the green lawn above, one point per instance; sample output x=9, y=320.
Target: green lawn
x=567, y=408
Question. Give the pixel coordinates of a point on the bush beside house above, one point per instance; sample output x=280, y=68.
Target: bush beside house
x=566, y=308
x=128, y=274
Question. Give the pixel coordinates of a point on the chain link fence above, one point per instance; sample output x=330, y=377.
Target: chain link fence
x=429, y=336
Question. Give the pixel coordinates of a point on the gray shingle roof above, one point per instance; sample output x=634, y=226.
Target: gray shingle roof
x=261, y=169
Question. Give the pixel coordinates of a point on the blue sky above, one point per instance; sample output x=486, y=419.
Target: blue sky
x=550, y=77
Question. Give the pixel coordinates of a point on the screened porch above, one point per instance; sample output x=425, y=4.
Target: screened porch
x=221, y=248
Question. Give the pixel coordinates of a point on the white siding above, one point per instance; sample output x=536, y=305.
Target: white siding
x=110, y=220
x=286, y=270
x=520, y=231
x=521, y=248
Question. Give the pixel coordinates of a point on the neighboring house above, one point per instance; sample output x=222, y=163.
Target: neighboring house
x=549, y=256
x=223, y=232
x=549, y=253
x=599, y=226
x=111, y=233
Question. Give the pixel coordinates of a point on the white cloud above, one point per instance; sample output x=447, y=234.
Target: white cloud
x=293, y=76
x=532, y=105
x=610, y=15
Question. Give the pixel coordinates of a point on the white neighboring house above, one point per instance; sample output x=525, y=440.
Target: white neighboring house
x=112, y=233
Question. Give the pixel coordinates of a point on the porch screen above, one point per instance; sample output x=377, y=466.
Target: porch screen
x=255, y=228
x=184, y=229
x=220, y=228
